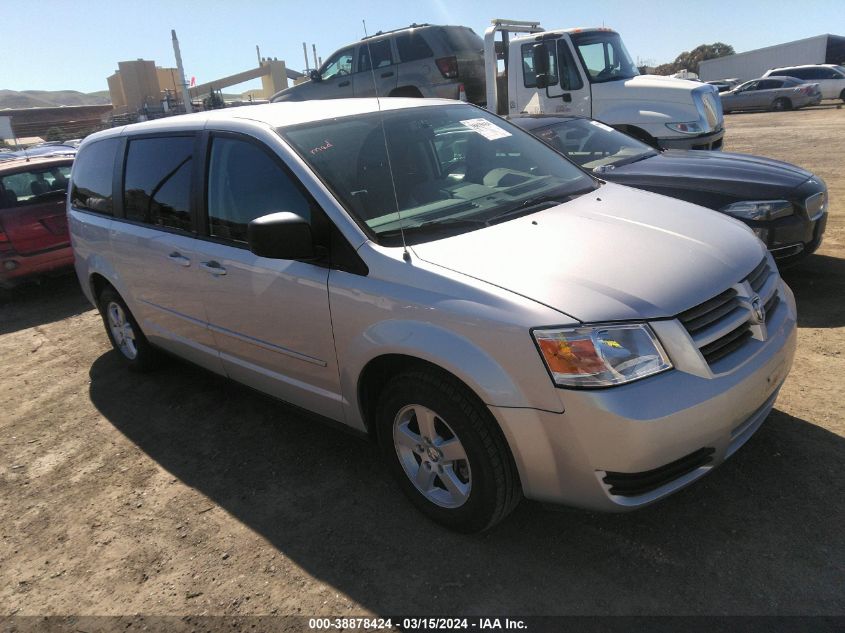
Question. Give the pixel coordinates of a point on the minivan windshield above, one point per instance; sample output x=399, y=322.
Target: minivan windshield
x=451, y=168
x=604, y=56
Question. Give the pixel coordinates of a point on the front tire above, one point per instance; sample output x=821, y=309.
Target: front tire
x=446, y=451
x=124, y=333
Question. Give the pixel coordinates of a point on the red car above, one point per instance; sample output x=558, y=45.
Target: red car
x=33, y=226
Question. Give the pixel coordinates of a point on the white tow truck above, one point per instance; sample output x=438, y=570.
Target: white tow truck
x=588, y=72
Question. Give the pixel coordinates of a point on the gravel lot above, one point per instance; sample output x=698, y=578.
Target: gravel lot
x=181, y=493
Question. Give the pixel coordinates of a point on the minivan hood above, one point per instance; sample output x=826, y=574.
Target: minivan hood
x=740, y=176
x=614, y=254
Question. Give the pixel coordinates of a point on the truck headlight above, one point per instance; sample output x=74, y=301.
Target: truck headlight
x=693, y=127
x=759, y=209
x=601, y=355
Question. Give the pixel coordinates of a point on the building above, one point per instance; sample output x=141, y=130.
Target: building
x=139, y=85
x=821, y=49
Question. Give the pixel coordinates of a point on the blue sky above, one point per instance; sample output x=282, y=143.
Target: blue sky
x=76, y=44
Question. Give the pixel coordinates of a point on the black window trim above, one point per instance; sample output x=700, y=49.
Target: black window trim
x=100, y=214
x=120, y=178
x=354, y=264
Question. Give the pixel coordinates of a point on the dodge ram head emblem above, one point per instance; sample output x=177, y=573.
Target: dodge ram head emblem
x=759, y=310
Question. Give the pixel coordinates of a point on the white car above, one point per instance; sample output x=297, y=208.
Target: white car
x=830, y=77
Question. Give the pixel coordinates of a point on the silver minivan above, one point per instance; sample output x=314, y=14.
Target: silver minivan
x=501, y=322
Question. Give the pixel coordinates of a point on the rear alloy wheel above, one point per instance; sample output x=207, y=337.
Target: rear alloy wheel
x=781, y=104
x=125, y=335
x=446, y=450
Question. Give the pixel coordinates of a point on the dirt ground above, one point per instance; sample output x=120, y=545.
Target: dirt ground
x=181, y=493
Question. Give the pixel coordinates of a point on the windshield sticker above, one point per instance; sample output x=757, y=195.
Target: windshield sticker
x=488, y=130
x=606, y=128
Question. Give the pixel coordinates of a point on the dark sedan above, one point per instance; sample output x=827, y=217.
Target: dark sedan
x=785, y=205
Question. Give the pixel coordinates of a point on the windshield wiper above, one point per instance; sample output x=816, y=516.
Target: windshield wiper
x=435, y=226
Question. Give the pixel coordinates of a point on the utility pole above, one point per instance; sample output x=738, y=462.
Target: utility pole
x=258, y=54
x=314, y=48
x=186, y=97
x=305, y=52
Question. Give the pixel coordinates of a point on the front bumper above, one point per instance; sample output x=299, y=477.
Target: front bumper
x=14, y=267
x=712, y=141
x=792, y=238
x=647, y=425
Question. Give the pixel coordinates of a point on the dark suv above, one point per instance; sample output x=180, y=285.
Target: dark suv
x=421, y=60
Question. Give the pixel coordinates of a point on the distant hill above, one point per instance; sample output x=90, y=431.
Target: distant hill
x=51, y=98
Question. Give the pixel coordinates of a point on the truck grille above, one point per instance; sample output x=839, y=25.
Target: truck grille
x=723, y=325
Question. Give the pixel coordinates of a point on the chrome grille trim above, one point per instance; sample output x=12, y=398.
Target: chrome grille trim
x=723, y=325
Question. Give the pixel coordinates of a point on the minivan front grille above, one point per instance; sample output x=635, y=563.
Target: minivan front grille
x=723, y=325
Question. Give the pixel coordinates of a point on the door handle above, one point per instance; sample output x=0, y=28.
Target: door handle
x=178, y=258
x=389, y=73
x=214, y=268
x=567, y=97
x=343, y=83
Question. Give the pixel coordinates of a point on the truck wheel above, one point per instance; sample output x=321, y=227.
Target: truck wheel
x=124, y=333
x=781, y=104
x=446, y=451
x=842, y=96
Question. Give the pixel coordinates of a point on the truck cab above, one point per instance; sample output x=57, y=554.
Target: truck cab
x=588, y=72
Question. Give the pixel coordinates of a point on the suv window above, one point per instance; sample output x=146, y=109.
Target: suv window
x=801, y=73
x=157, y=186
x=92, y=174
x=339, y=64
x=31, y=187
x=381, y=55
x=245, y=182
x=462, y=38
x=412, y=46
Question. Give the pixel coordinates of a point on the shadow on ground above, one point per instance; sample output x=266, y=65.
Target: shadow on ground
x=819, y=286
x=45, y=301
x=762, y=534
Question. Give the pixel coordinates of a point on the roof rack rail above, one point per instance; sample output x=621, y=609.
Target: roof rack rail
x=411, y=26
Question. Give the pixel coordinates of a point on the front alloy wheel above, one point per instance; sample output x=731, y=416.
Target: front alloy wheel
x=432, y=456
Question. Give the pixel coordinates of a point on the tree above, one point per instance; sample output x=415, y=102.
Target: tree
x=55, y=134
x=690, y=60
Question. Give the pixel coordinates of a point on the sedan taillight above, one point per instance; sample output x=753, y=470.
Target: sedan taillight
x=448, y=66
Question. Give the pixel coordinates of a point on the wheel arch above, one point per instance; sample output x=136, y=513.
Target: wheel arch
x=407, y=345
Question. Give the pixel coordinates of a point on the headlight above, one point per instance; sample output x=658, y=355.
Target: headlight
x=693, y=127
x=759, y=209
x=601, y=355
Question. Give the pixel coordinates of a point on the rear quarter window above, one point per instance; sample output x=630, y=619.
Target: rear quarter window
x=92, y=175
x=412, y=46
x=462, y=39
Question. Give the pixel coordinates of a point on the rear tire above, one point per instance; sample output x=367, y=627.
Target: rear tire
x=446, y=451
x=781, y=104
x=124, y=333
x=842, y=96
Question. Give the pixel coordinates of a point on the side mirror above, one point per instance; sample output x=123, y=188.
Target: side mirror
x=540, y=58
x=315, y=75
x=281, y=235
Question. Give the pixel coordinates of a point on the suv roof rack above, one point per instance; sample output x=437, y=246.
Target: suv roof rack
x=411, y=26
